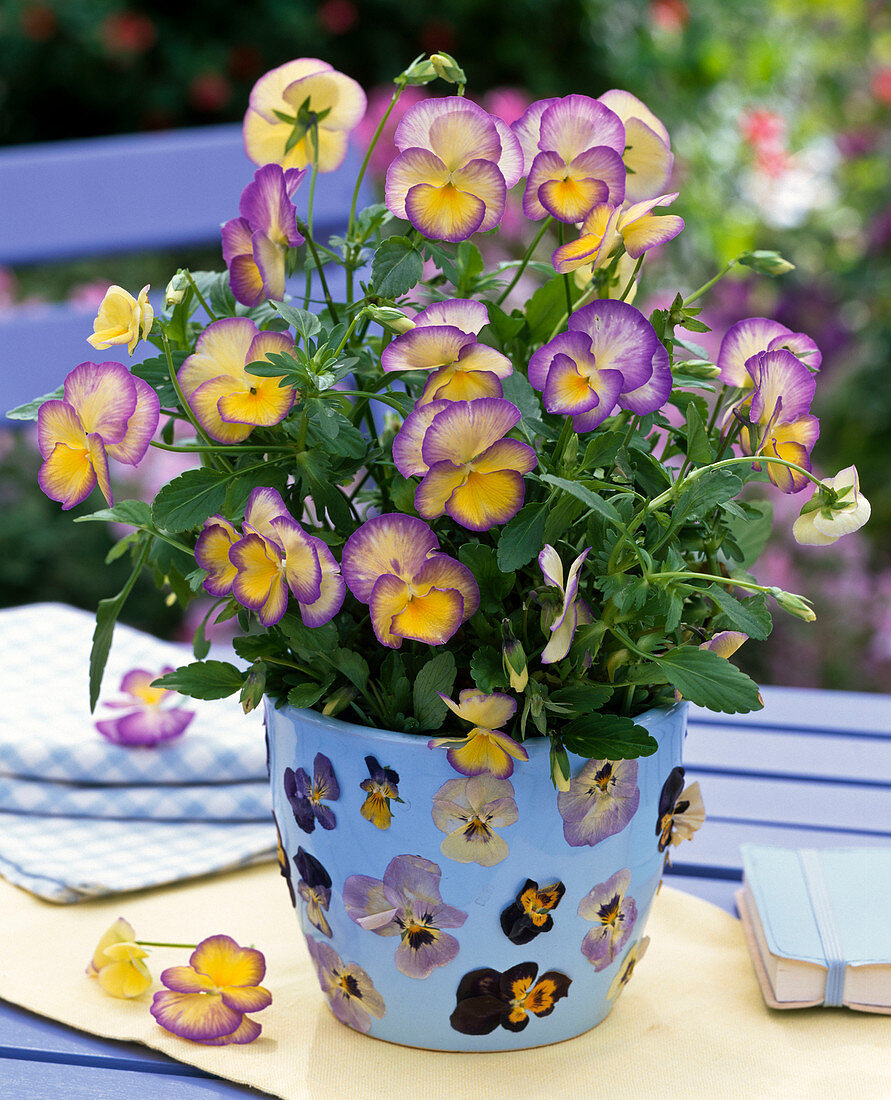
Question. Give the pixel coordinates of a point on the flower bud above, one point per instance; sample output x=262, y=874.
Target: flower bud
x=514, y=658
x=698, y=368
x=176, y=290
x=795, y=605
x=391, y=318
x=561, y=773
x=447, y=68
x=339, y=700
x=766, y=262
x=419, y=72
x=254, y=687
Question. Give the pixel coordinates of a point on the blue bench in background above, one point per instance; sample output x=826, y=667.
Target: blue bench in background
x=98, y=196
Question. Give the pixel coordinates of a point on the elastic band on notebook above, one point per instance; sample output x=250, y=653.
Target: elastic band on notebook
x=826, y=926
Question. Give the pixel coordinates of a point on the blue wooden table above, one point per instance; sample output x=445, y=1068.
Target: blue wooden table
x=812, y=769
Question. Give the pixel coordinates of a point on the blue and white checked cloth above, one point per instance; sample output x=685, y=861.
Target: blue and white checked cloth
x=47, y=731
x=81, y=817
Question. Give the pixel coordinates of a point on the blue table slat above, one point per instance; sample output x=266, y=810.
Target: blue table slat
x=808, y=710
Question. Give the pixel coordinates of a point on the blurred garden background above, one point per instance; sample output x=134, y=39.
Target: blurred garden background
x=780, y=117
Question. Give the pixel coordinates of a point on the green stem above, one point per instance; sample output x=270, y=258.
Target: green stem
x=232, y=448
x=160, y=943
x=349, y=332
x=210, y=313
x=524, y=263
x=400, y=88
x=562, y=440
x=707, y=286
x=372, y=397
x=561, y=233
x=716, y=578
x=184, y=404
x=314, y=138
x=311, y=244
x=633, y=278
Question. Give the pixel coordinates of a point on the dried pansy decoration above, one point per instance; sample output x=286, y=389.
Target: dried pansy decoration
x=627, y=968
x=381, y=787
x=487, y=998
x=314, y=889
x=681, y=810
x=307, y=797
x=530, y=913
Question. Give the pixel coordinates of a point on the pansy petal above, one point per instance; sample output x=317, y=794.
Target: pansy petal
x=195, y=1016
x=302, y=569
x=485, y=500
x=463, y=314
x=251, y=999
x=628, y=106
x=236, y=239
x=655, y=391
x=574, y=344
x=465, y=429
x=781, y=376
x=99, y=462
x=270, y=260
x=576, y=123
x=266, y=204
x=527, y=130
x=58, y=422
x=246, y=1032
x=331, y=91
x=267, y=95
x=457, y=384
x=507, y=454
x=742, y=341
x=444, y=213
x=407, y=170
x=621, y=339
x=510, y=163
x=185, y=979
x=263, y=506
x=649, y=232
x=141, y=426
x=649, y=161
x=205, y=404
x=603, y=164
x=259, y=569
x=104, y=395
x=219, y=350
x=433, y=618
x=801, y=345
x=483, y=180
x=390, y=543
x=569, y=200
x=265, y=143
x=262, y=405
x=67, y=475
x=463, y=132
x=567, y=390
x=437, y=487
x=575, y=254
x=442, y=571
x=480, y=357
x=332, y=592
x=222, y=960
x=408, y=440
x=245, y=279
x=387, y=600
x=425, y=347
x=491, y=711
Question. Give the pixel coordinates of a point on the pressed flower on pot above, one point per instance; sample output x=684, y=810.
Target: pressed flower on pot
x=481, y=548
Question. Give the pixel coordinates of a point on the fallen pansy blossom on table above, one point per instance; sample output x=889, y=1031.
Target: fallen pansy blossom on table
x=153, y=714
x=118, y=964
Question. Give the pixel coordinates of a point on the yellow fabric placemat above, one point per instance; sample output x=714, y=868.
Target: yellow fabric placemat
x=691, y=1022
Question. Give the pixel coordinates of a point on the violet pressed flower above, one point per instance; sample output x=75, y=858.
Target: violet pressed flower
x=307, y=797
x=314, y=889
x=407, y=903
x=469, y=811
x=381, y=788
x=681, y=811
x=613, y=913
x=600, y=802
x=351, y=995
x=530, y=913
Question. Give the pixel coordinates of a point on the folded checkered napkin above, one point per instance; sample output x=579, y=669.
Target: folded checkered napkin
x=189, y=802
x=48, y=733
x=72, y=859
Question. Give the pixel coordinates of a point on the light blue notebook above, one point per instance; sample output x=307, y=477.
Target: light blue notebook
x=821, y=920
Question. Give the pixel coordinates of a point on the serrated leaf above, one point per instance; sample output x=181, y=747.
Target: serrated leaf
x=494, y=584
x=699, y=449
x=752, y=533
x=438, y=674
x=305, y=641
x=582, y=697
x=189, y=499
x=749, y=615
x=517, y=389
x=308, y=694
x=136, y=513
x=204, y=680
x=709, y=680
x=487, y=670
x=304, y=323
x=607, y=737
x=587, y=496
x=29, y=410
x=352, y=665
x=396, y=267
x=522, y=537
x=705, y=493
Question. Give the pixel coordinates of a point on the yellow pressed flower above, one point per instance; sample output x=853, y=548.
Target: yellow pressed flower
x=117, y=962
x=122, y=319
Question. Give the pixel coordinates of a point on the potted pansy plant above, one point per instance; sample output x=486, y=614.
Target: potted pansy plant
x=484, y=526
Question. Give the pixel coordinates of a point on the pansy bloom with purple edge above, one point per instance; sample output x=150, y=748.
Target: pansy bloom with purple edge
x=609, y=356
x=443, y=341
x=780, y=412
x=487, y=998
x=469, y=811
x=647, y=155
x=314, y=889
x=573, y=611
x=381, y=787
x=747, y=339
x=153, y=714
x=485, y=748
x=407, y=903
x=307, y=799
x=104, y=412
x=212, y=547
x=572, y=151
x=606, y=227
x=530, y=913
x=255, y=245
x=228, y=402
x=336, y=101
x=681, y=811
x=613, y=913
x=470, y=470
x=626, y=969
x=351, y=995
x=454, y=168
x=600, y=802
x=392, y=564
x=274, y=556
x=206, y=1001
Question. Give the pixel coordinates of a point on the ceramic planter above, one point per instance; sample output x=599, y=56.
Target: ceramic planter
x=476, y=913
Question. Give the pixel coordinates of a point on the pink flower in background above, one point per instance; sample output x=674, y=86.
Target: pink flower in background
x=153, y=715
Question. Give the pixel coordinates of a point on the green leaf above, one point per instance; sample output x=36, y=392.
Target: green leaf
x=602, y=450
x=607, y=737
x=516, y=388
x=546, y=307
x=314, y=468
x=308, y=694
x=204, y=680
x=704, y=493
x=352, y=665
x=156, y=371
x=396, y=267
x=503, y=327
x=709, y=680
x=304, y=323
x=29, y=410
x=494, y=584
x=189, y=499
x=106, y=616
x=582, y=697
x=487, y=670
x=522, y=537
x=305, y=641
x=749, y=615
x=587, y=496
x=438, y=674
x=699, y=449
x=752, y=533
x=136, y=513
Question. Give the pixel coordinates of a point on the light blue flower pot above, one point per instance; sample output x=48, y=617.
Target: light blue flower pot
x=410, y=944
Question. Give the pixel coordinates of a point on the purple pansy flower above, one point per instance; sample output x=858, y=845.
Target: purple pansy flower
x=613, y=914
x=530, y=913
x=600, y=802
x=153, y=714
x=306, y=797
x=746, y=339
x=350, y=992
x=314, y=889
x=681, y=811
x=487, y=998
x=407, y=903
x=381, y=787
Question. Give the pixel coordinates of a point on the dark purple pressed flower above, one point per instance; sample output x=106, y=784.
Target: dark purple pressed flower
x=283, y=865
x=380, y=788
x=306, y=797
x=487, y=998
x=530, y=914
x=314, y=889
x=681, y=811
x=671, y=789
